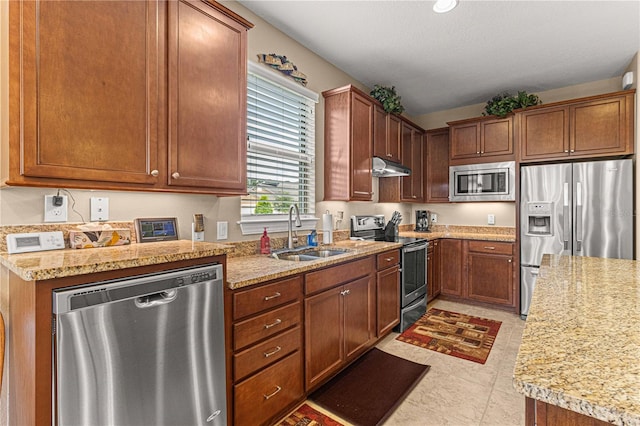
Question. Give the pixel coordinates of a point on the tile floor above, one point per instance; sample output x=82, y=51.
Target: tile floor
x=458, y=392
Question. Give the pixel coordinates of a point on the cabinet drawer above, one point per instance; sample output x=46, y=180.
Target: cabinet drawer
x=265, y=353
x=491, y=247
x=265, y=297
x=387, y=259
x=330, y=277
x=261, y=397
x=252, y=330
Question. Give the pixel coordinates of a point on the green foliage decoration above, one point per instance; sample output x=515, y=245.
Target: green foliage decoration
x=388, y=98
x=501, y=105
x=263, y=206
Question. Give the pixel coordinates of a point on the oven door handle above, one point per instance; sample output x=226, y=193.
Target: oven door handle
x=414, y=248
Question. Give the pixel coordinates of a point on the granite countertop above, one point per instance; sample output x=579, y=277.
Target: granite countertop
x=69, y=262
x=248, y=270
x=581, y=343
x=483, y=236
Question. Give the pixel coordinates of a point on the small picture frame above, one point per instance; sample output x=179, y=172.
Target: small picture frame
x=156, y=229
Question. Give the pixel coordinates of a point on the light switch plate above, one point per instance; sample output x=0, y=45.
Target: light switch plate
x=222, y=230
x=54, y=213
x=99, y=209
x=491, y=219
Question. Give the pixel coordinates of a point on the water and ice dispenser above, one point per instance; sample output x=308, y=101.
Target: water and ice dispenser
x=539, y=214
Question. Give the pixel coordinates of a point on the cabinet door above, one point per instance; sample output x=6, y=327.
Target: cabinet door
x=464, y=141
x=84, y=87
x=497, y=137
x=490, y=278
x=544, y=133
x=207, y=98
x=411, y=186
x=437, y=276
x=601, y=127
x=380, y=132
x=361, y=150
x=393, y=137
x=451, y=267
x=324, y=331
x=359, y=328
x=436, y=164
x=387, y=299
x=430, y=274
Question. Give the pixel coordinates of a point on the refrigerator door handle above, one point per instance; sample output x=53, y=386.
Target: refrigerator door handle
x=566, y=214
x=578, y=216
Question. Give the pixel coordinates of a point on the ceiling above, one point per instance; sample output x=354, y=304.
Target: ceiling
x=466, y=56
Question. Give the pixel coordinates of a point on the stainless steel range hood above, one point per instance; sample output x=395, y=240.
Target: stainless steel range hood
x=386, y=168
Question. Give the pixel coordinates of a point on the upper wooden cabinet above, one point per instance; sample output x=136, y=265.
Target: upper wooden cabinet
x=589, y=127
x=407, y=188
x=90, y=106
x=386, y=134
x=481, y=140
x=436, y=166
x=348, y=144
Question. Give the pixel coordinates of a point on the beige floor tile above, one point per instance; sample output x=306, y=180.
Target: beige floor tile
x=504, y=409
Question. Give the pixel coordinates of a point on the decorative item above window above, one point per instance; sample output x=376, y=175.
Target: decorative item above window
x=501, y=105
x=282, y=64
x=388, y=98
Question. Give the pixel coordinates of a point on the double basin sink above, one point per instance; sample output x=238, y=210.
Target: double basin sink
x=307, y=254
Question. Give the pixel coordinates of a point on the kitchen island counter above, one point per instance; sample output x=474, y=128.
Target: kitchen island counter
x=580, y=346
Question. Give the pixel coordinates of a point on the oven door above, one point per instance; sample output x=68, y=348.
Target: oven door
x=414, y=272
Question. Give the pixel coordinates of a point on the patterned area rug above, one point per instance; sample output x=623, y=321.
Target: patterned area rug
x=451, y=333
x=305, y=415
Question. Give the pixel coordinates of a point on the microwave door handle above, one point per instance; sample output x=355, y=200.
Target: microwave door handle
x=566, y=213
x=578, y=216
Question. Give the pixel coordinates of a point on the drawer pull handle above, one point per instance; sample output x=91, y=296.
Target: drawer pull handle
x=273, y=324
x=510, y=260
x=273, y=352
x=389, y=259
x=276, y=294
x=345, y=292
x=490, y=248
x=272, y=394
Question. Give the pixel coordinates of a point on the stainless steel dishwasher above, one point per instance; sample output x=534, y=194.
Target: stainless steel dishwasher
x=147, y=350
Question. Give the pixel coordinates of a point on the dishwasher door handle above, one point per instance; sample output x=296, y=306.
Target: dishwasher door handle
x=155, y=299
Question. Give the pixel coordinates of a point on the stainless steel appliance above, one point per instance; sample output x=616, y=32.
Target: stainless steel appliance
x=579, y=209
x=483, y=182
x=148, y=350
x=413, y=267
x=423, y=221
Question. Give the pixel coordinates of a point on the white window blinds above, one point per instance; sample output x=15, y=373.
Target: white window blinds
x=280, y=149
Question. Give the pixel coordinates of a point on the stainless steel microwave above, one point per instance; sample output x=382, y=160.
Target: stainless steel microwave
x=483, y=182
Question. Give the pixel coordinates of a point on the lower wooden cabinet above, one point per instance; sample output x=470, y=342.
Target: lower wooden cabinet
x=490, y=272
x=542, y=414
x=451, y=267
x=433, y=270
x=387, y=292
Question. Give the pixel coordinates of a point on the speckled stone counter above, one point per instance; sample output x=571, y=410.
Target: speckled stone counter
x=484, y=233
x=69, y=262
x=248, y=270
x=581, y=345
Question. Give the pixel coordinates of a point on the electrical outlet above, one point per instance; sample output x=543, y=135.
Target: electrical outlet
x=222, y=230
x=491, y=219
x=99, y=209
x=434, y=218
x=53, y=213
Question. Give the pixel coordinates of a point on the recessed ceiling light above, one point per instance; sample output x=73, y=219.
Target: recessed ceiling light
x=443, y=6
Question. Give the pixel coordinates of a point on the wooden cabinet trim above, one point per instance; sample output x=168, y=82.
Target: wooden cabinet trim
x=332, y=276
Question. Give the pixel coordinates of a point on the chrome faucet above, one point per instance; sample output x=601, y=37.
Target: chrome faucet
x=298, y=224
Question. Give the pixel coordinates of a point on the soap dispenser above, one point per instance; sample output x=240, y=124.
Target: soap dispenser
x=265, y=243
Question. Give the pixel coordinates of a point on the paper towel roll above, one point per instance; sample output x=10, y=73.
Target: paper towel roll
x=327, y=228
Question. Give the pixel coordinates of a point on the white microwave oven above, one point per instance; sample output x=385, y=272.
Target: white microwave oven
x=483, y=182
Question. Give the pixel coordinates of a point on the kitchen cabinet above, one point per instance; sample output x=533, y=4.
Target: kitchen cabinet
x=339, y=317
x=387, y=291
x=98, y=107
x=481, y=140
x=433, y=270
x=407, y=188
x=29, y=316
x=436, y=166
x=490, y=272
x=386, y=134
x=266, y=361
x=541, y=413
x=451, y=264
x=348, y=144
x=596, y=126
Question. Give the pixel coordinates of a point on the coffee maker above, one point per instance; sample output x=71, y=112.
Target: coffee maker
x=423, y=221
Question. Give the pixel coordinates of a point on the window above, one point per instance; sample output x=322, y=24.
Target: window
x=280, y=148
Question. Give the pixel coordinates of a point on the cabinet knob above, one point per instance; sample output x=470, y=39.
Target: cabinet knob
x=481, y=152
x=413, y=196
x=175, y=175
x=477, y=152
x=566, y=150
x=345, y=292
x=573, y=150
x=389, y=155
x=489, y=247
x=510, y=260
x=154, y=173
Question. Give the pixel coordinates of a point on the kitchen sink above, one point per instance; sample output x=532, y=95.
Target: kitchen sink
x=306, y=254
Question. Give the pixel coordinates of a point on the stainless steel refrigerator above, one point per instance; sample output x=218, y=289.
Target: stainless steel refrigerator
x=579, y=209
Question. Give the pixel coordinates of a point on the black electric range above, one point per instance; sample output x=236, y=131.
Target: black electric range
x=371, y=227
